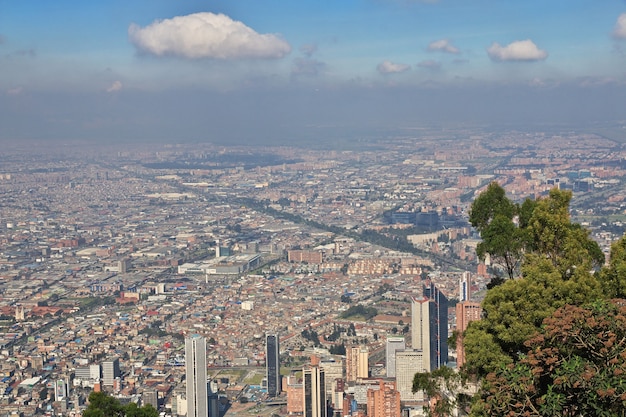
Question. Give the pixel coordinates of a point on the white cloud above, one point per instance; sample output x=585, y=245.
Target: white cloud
x=619, y=32
x=116, y=86
x=206, y=35
x=388, y=67
x=516, y=51
x=14, y=91
x=443, y=45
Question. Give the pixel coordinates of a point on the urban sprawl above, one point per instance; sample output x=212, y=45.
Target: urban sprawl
x=292, y=272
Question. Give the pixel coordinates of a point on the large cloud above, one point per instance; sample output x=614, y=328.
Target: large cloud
x=206, y=35
x=443, y=45
x=388, y=67
x=516, y=51
x=619, y=32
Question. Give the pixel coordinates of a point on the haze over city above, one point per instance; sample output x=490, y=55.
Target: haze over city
x=286, y=71
x=349, y=208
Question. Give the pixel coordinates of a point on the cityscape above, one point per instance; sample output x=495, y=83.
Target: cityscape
x=295, y=281
x=356, y=208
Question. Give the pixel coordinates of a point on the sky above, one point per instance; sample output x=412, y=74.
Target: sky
x=253, y=71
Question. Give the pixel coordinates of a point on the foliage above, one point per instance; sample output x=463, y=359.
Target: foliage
x=555, y=272
x=492, y=214
x=360, y=310
x=443, y=385
x=311, y=335
x=613, y=278
x=574, y=366
x=336, y=334
x=337, y=349
x=549, y=342
x=103, y=405
x=133, y=410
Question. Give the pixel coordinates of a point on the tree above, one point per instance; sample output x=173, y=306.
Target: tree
x=444, y=388
x=555, y=271
x=554, y=237
x=575, y=366
x=102, y=404
x=613, y=278
x=133, y=410
x=550, y=342
x=492, y=214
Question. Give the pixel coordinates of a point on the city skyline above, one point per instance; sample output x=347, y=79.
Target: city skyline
x=238, y=71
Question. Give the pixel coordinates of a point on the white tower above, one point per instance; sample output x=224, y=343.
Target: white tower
x=195, y=367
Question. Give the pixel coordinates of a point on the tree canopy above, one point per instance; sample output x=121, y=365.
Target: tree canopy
x=551, y=341
x=556, y=270
x=493, y=215
x=575, y=366
x=102, y=404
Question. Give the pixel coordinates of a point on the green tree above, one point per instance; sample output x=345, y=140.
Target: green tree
x=445, y=388
x=133, y=410
x=555, y=272
x=575, y=366
x=103, y=405
x=613, y=278
x=493, y=214
x=554, y=237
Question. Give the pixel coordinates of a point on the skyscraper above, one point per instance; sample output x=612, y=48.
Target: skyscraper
x=195, y=367
x=464, y=286
x=110, y=371
x=272, y=365
x=314, y=392
x=394, y=344
x=429, y=326
x=466, y=312
x=357, y=363
x=385, y=401
x=408, y=363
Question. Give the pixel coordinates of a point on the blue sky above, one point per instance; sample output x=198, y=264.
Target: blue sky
x=199, y=70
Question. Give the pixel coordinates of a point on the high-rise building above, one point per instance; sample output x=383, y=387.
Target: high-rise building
x=333, y=372
x=357, y=363
x=384, y=402
x=195, y=368
x=110, y=371
x=429, y=326
x=314, y=392
x=150, y=397
x=394, y=344
x=408, y=363
x=466, y=312
x=464, y=286
x=295, y=396
x=272, y=365
x=213, y=398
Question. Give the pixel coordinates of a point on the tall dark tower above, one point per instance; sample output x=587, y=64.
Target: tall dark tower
x=272, y=364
